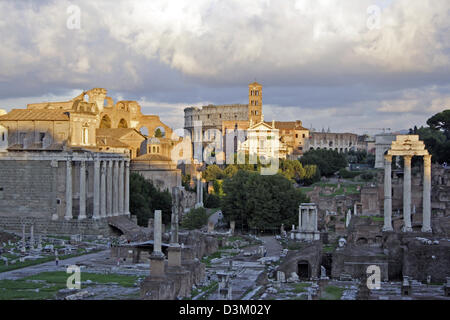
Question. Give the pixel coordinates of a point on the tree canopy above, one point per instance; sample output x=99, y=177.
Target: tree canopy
x=145, y=198
x=328, y=161
x=437, y=136
x=260, y=201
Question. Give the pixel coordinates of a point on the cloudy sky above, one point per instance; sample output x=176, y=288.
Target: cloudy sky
x=346, y=65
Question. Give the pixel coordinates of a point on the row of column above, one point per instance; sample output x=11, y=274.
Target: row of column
x=111, y=189
x=426, y=224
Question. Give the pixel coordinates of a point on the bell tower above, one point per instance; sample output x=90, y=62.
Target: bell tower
x=255, y=102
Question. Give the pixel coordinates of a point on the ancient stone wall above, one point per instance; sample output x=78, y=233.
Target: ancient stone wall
x=60, y=227
x=27, y=188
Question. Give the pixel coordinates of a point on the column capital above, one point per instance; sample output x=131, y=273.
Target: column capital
x=97, y=163
x=388, y=158
x=407, y=157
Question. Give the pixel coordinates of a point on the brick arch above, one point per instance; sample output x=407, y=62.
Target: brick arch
x=152, y=123
x=122, y=123
x=105, y=122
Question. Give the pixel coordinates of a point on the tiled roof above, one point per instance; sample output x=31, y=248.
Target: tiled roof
x=35, y=115
x=287, y=125
x=152, y=157
x=110, y=142
x=115, y=132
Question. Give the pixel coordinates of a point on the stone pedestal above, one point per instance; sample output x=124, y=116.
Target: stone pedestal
x=174, y=256
x=157, y=266
x=182, y=281
x=158, y=288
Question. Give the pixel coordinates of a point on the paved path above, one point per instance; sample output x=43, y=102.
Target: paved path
x=50, y=266
x=272, y=245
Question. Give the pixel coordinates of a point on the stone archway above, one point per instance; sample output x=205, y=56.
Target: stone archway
x=105, y=122
x=122, y=124
x=303, y=269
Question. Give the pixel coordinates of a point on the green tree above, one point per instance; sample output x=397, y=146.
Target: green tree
x=195, y=219
x=328, y=161
x=212, y=172
x=158, y=133
x=258, y=201
x=145, y=198
x=441, y=122
x=436, y=137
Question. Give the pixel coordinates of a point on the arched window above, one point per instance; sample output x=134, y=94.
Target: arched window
x=122, y=124
x=105, y=122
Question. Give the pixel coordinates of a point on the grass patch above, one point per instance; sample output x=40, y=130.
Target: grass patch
x=328, y=248
x=332, y=293
x=27, y=263
x=46, y=285
x=300, y=287
x=215, y=255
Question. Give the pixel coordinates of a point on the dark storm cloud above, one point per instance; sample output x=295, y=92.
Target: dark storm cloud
x=318, y=60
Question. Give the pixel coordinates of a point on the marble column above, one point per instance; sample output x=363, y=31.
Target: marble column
x=32, y=237
x=157, y=233
x=127, y=188
x=121, y=187
x=407, y=194
x=157, y=265
x=82, y=214
x=201, y=191
x=96, y=214
x=355, y=209
x=103, y=189
x=198, y=188
x=68, y=214
x=109, y=190
x=24, y=244
x=387, y=193
x=116, y=189
x=315, y=220
x=300, y=219
x=426, y=225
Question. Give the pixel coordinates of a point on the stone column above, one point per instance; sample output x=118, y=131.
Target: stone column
x=82, y=214
x=157, y=232
x=24, y=244
x=68, y=214
x=116, y=189
x=157, y=257
x=407, y=194
x=32, y=237
x=198, y=188
x=426, y=224
x=355, y=209
x=96, y=214
x=387, y=193
x=127, y=188
x=103, y=189
x=121, y=187
x=300, y=218
x=109, y=190
x=315, y=219
x=201, y=191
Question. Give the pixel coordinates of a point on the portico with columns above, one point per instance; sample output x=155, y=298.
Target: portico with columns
x=407, y=146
